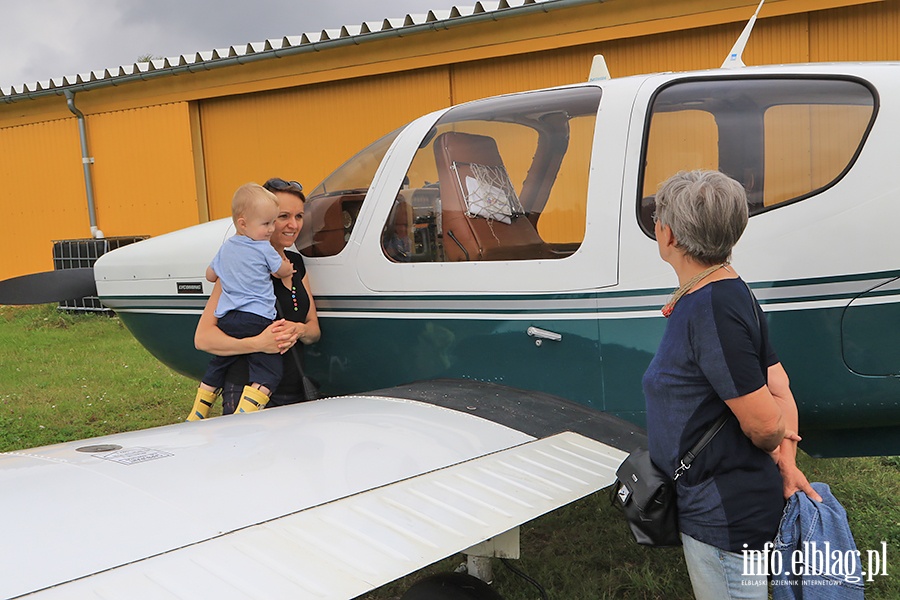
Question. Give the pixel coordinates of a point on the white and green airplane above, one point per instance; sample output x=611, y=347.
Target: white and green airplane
x=489, y=270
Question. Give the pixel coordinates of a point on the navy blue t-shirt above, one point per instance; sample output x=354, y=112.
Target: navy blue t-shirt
x=713, y=350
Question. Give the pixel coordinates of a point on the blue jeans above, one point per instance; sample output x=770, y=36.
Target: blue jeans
x=717, y=574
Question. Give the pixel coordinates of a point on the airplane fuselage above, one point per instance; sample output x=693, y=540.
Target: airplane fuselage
x=508, y=240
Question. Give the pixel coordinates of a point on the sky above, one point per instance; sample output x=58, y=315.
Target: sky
x=46, y=39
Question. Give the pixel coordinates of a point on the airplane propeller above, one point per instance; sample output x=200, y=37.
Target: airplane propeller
x=49, y=286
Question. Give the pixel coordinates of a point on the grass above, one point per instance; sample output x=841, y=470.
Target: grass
x=65, y=377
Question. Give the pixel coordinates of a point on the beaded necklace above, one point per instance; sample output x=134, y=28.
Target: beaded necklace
x=294, y=297
x=670, y=305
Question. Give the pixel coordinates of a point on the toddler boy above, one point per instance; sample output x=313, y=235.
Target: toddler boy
x=247, y=304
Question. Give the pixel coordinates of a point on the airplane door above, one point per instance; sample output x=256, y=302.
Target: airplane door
x=482, y=254
x=869, y=339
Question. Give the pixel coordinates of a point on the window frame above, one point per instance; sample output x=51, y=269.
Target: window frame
x=594, y=266
x=513, y=110
x=645, y=135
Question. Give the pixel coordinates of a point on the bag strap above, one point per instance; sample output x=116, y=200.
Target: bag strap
x=710, y=433
x=292, y=349
x=754, y=304
x=705, y=439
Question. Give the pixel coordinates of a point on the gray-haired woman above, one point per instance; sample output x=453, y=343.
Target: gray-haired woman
x=715, y=358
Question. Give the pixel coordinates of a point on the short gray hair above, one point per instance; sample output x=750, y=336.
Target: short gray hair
x=707, y=212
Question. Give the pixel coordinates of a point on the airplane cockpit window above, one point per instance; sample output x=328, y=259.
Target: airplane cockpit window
x=499, y=179
x=784, y=139
x=332, y=208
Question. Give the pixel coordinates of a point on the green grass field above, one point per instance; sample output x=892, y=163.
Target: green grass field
x=66, y=377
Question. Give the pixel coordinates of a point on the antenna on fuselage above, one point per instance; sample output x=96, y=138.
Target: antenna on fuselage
x=734, y=60
x=599, y=70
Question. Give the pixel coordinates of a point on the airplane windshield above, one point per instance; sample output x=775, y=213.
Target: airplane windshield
x=332, y=207
x=502, y=178
x=356, y=173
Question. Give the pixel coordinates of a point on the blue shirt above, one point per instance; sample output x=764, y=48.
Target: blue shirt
x=244, y=266
x=713, y=350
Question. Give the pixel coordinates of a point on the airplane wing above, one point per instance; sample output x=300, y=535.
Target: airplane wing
x=327, y=499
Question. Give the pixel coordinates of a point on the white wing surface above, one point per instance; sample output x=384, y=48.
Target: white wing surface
x=321, y=500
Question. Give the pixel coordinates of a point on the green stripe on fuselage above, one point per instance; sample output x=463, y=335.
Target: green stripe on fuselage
x=599, y=361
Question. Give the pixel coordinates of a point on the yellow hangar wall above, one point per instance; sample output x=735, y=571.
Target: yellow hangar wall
x=168, y=152
x=305, y=133
x=143, y=179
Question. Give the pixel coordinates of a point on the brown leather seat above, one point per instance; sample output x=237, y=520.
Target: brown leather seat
x=468, y=237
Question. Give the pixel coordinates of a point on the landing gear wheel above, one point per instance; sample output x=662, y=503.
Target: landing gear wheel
x=451, y=586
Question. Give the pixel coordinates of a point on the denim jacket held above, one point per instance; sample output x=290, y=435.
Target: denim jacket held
x=815, y=557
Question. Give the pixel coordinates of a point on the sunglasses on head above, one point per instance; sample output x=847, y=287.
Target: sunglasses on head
x=278, y=184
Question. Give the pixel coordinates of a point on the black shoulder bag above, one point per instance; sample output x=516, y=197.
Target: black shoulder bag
x=646, y=494
x=310, y=389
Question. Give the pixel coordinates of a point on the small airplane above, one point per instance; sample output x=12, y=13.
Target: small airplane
x=529, y=258
x=489, y=294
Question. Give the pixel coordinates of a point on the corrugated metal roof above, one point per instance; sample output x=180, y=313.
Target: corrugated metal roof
x=273, y=48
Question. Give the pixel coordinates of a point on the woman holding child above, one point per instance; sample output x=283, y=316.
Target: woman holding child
x=296, y=321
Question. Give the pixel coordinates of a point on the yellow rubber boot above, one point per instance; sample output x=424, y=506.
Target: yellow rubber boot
x=202, y=403
x=252, y=400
